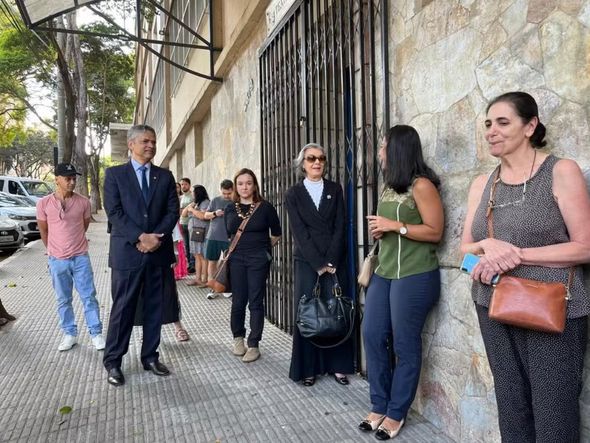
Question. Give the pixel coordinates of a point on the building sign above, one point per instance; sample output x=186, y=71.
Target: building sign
x=275, y=13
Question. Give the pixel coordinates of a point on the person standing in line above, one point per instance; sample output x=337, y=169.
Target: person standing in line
x=317, y=219
x=63, y=219
x=196, y=212
x=539, y=207
x=406, y=284
x=181, y=266
x=216, y=240
x=249, y=263
x=141, y=204
x=185, y=200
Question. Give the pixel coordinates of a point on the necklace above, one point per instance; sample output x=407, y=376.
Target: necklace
x=248, y=213
x=521, y=200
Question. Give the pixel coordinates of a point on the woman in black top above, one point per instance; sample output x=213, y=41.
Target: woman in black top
x=317, y=220
x=250, y=261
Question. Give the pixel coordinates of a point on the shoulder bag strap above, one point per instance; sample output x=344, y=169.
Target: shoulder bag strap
x=490, y=219
x=241, y=228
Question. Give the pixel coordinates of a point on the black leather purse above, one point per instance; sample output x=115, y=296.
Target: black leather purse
x=326, y=315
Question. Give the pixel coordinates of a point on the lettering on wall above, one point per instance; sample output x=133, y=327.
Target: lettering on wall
x=249, y=94
x=275, y=12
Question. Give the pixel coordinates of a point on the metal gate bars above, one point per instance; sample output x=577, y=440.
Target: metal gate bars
x=324, y=79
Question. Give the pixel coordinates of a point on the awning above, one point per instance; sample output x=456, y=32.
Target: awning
x=35, y=12
x=38, y=15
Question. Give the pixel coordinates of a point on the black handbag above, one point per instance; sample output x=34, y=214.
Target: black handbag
x=198, y=234
x=326, y=315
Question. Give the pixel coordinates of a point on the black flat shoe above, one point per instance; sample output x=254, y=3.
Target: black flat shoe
x=370, y=425
x=385, y=434
x=157, y=368
x=341, y=380
x=309, y=381
x=116, y=377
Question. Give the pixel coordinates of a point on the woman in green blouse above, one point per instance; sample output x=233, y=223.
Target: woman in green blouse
x=406, y=284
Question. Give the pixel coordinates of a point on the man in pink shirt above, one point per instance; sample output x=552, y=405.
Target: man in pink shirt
x=63, y=218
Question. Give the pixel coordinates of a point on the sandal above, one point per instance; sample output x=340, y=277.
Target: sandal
x=181, y=335
x=309, y=381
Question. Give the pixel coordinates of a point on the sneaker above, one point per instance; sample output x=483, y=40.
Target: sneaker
x=251, y=355
x=239, y=347
x=211, y=295
x=226, y=294
x=98, y=342
x=67, y=343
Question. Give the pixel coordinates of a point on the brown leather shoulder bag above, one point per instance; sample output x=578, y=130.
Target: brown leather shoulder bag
x=529, y=304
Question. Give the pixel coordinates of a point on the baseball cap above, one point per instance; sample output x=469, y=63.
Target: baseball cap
x=66, y=170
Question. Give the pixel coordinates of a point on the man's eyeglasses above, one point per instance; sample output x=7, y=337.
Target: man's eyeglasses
x=313, y=158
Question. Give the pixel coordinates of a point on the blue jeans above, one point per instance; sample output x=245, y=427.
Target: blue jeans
x=395, y=312
x=65, y=273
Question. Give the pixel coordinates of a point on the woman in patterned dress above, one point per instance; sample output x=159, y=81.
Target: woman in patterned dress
x=540, y=210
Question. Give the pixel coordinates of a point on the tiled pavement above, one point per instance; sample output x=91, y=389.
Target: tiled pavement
x=210, y=397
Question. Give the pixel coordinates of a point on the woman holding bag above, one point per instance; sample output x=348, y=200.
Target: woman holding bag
x=317, y=219
x=249, y=262
x=406, y=284
x=197, y=228
x=540, y=209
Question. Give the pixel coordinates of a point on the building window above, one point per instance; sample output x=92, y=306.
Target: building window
x=157, y=100
x=190, y=13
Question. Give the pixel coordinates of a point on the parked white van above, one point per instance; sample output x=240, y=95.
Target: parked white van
x=27, y=187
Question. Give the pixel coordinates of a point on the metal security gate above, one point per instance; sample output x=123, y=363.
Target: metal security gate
x=323, y=79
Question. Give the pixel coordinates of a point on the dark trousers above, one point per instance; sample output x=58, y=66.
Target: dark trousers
x=248, y=273
x=187, y=247
x=126, y=287
x=537, y=379
x=395, y=310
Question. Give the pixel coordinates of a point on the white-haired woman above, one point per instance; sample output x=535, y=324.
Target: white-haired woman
x=317, y=219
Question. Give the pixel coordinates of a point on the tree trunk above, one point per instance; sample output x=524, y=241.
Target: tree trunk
x=80, y=158
x=94, y=174
x=60, y=45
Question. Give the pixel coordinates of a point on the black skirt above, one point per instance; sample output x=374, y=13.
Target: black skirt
x=308, y=360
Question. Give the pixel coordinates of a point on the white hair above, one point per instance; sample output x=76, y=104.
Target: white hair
x=298, y=163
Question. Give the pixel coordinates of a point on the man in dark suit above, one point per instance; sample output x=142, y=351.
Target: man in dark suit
x=142, y=207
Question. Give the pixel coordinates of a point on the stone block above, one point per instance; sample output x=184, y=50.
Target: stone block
x=584, y=15
x=527, y=46
x=455, y=58
x=539, y=10
x=503, y=71
x=513, y=19
x=566, y=44
x=455, y=150
x=569, y=132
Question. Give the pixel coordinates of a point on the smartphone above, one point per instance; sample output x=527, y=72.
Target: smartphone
x=469, y=262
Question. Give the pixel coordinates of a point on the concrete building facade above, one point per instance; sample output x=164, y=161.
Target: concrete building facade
x=445, y=60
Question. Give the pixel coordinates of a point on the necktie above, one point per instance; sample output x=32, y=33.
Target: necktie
x=144, y=183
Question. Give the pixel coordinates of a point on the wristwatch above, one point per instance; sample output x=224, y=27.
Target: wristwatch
x=403, y=230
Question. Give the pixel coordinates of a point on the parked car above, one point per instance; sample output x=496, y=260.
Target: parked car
x=11, y=235
x=17, y=210
x=28, y=187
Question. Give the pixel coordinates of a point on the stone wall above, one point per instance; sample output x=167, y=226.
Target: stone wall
x=447, y=60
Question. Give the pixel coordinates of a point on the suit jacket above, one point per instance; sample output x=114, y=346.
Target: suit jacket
x=130, y=216
x=318, y=234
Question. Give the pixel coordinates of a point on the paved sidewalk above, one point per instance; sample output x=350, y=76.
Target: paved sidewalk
x=211, y=395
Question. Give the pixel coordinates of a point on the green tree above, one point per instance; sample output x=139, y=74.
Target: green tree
x=109, y=75
x=24, y=61
x=29, y=155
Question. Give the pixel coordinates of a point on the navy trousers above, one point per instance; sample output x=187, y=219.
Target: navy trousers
x=248, y=273
x=126, y=287
x=395, y=312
